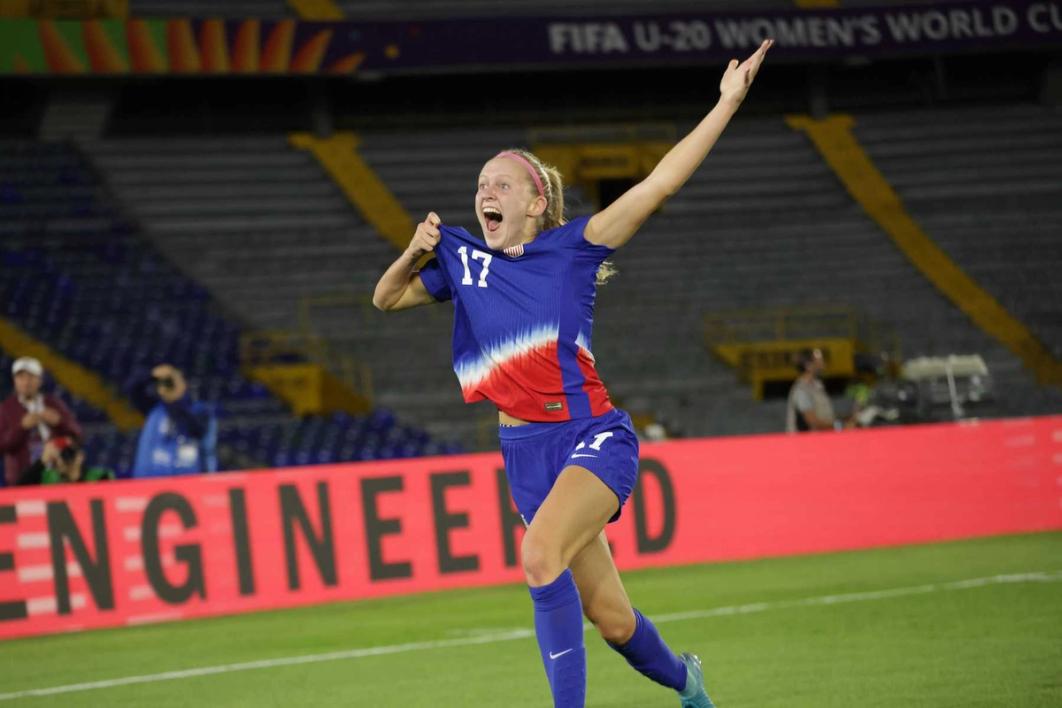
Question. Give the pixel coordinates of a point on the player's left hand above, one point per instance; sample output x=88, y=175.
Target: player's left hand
x=739, y=77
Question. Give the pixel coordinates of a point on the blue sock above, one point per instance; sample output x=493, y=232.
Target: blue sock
x=647, y=653
x=559, y=628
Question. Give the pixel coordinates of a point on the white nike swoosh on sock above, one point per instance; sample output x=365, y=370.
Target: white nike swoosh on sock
x=557, y=656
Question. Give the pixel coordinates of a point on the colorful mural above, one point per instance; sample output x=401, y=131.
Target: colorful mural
x=174, y=46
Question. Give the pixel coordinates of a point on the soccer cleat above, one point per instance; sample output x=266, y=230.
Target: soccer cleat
x=694, y=695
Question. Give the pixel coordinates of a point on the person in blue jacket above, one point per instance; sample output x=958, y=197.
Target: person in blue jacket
x=180, y=434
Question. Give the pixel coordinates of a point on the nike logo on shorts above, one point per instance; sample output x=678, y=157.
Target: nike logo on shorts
x=578, y=455
x=554, y=657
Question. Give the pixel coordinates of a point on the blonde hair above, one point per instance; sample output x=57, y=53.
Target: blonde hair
x=553, y=216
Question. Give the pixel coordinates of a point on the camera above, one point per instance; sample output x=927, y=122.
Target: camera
x=69, y=453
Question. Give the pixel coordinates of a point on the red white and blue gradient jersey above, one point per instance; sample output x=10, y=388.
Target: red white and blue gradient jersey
x=522, y=323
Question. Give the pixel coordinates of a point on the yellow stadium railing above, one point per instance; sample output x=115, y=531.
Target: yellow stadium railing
x=306, y=372
x=762, y=344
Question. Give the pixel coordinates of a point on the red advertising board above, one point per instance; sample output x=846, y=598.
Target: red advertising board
x=78, y=557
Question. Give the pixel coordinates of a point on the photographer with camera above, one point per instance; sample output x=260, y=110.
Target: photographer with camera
x=63, y=462
x=29, y=419
x=180, y=434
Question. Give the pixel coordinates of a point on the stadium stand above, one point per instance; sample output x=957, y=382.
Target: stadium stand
x=986, y=184
x=249, y=217
x=79, y=276
x=765, y=224
x=260, y=224
x=744, y=233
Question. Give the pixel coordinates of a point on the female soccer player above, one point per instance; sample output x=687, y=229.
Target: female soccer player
x=523, y=311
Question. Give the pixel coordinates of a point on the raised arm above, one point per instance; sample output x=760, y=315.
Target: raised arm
x=617, y=223
x=400, y=286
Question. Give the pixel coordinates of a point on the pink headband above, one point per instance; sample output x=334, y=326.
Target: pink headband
x=530, y=168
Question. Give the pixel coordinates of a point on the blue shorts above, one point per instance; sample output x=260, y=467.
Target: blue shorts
x=536, y=453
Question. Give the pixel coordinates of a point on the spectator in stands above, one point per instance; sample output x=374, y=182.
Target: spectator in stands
x=29, y=419
x=180, y=434
x=62, y=462
x=809, y=406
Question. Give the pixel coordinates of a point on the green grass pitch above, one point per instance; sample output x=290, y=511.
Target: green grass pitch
x=889, y=627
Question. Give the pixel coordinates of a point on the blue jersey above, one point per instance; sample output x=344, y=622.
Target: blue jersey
x=522, y=323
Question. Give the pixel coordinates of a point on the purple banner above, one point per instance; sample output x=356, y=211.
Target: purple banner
x=710, y=36
x=249, y=46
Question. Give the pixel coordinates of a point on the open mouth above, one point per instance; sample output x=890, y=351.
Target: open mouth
x=493, y=218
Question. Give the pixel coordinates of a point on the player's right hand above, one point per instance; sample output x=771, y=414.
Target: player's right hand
x=427, y=236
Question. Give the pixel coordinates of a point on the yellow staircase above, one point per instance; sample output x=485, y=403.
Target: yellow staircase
x=339, y=156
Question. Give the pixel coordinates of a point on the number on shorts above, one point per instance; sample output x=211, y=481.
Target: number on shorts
x=599, y=439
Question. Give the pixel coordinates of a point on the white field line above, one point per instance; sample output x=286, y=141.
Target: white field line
x=1011, y=579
